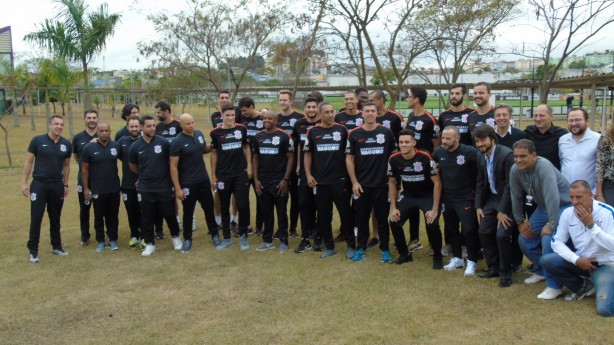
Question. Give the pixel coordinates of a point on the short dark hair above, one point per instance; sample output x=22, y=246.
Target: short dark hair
x=56, y=117
x=163, y=106
x=485, y=131
x=368, y=103
x=223, y=91
x=287, y=92
x=584, y=112
x=227, y=107
x=380, y=94
x=581, y=184
x=407, y=131
x=133, y=117
x=525, y=144
x=90, y=111
x=246, y=102
x=504, y=106
x=483, y=83
x=127, y=110
x=324, y=104
x=359, y=90
x=420, y=93
x=462, y=86
x=310, y=99
x=144, y=118
x=317, y=95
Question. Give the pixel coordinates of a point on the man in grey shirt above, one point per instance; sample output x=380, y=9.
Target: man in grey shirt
x=535, y=181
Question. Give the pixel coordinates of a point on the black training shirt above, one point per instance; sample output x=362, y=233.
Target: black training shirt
x=128, y=177
x=122, y=133
x=476, y=120
x=271, y=149
x=50, y=156
x=460, y=119
x=371, y=150
x=393, y=121
x=103, y=177
x=458, y=170
x=286, y=122
x=169, y=131
x=349, y=121
x=228, y=143
x=79, y=141
x=414, y=174
x=190, y=150
x=299, y=134
x=153, y=166
x=253, y=126
x=426, y=128
x=327, y=147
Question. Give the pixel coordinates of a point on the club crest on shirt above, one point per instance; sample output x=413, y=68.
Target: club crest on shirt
x=292, y=122
x=490, y=122
x=386, y=123
x=63, y=148
x=238, y=134
x=336, y=136
x=79, y=189
x=259, y=124
x=419, y=125
x=359, y=121
x=275, y=140
x=380, y=138
x=464, y=118
x=186, y=192
x=125, y=196
x=113, y=151
x=33, y=196
x=200, y=139
x=139, y=197
x=220, y=185
x=418, y=166
x=157, y=149
x=172, y=131
x=460, y=160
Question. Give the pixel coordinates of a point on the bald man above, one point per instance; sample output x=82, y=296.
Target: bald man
x=545, y=135
x=191, y=180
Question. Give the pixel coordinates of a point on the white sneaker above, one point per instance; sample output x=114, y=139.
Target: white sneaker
x=177, y=243
x=535, y=278
x=550, y=294
x=193, y=224
x=149, y=250
x=471, y=267
x=454, y=264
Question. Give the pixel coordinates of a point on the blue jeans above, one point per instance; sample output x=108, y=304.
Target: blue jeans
x=534, y=248
x=570, y=275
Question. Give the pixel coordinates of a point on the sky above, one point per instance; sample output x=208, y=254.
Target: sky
x=122, y=53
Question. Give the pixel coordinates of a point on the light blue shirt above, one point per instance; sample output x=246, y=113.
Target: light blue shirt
x=578, y=158
x=490, y=170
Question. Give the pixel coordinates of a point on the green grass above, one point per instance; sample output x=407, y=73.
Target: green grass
x=234, y=297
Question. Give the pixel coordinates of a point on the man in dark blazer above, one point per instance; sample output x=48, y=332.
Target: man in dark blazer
x=493, y=204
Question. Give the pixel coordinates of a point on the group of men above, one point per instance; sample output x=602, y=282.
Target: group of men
x=503, y=193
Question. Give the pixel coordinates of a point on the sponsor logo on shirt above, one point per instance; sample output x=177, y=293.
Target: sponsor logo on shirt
x=327, y=147
x=231, y=146
x=269, y=150
x=365, y=151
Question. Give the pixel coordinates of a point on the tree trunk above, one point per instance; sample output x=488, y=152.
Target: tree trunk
x=71, y=122
x=15, y=110
x=32, y=122
x=87, y=97
x=6, y=144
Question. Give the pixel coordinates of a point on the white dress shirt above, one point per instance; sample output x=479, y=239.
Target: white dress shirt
x=578, y=158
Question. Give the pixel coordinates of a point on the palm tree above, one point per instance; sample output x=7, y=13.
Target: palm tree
x=76, y=34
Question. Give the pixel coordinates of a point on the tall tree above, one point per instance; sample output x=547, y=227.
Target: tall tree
x=568, y=26
x=76, y=34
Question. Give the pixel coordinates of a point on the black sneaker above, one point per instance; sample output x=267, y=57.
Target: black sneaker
x=373, y=242
x=437, y=263
x=304, y=246
x=160, y=235
x=404, y=259
x=318, y=247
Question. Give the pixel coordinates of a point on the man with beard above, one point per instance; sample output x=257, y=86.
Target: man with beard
x=506, y=134
x=458, y=162
x=127, y=111
x=350, y=116
x=286, y=119
x=305, y=192
x=79, y=142
x=129, y=182
x=493, y=205
x=101, y=184
x=49, y=154
x=327, y=175
x=149, y=159
x=545, y=135
x=484, y=113
x=578, y=149
x=458, y=114
x=273, y=161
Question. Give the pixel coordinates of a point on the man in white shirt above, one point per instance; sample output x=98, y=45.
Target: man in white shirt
x=589, y=224
x=578, y=149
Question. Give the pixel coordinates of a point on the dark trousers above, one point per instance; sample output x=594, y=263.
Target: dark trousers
x=498, y=242
x=339, y=194
x=376, y=199
x=406, y=205
x=306, y=199
x=133, y=209
x=414, y=224
x=106, y=210
x=84, y=214
x=50, y=196
x=271, y=201
x=239, y=186
x=463, y=212
x=153, y=203
x=294, y=202
x=202, y=194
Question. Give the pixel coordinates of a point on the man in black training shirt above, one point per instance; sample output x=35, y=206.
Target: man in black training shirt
x=545, y=135
x=493, y=205
x=386, y=117
x=484, y=113
x=231, y=169
x=127, y=111
x=305, y=192
x=457, y=168
x=367, y=152
x=149, y=159
x=350, y=116
x=252, y=120
x=327, y=174
x=129, y=182
x=191, y=180
x=223, y=98
x=272, y=161
x=101, y=184
x=286, y=119
x=458, y=114
x=416, y=171
x=506, y=134
x=50, y=155
x=79, y=141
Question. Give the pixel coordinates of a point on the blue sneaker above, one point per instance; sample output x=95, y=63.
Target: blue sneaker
x=265, y=246
x=113, y=245
x=216, y=240
x=100, y=247
x=328, y=253
x=350, y=253
x=225, y=244
x=359, y=255
x=283, y=247
x=243, y=242
x=386, y=258
x=187, y=245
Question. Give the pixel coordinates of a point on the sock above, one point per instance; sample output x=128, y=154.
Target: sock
x=218, y=220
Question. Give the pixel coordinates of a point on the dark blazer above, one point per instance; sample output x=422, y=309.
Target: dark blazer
x=503, y=161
